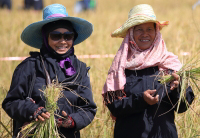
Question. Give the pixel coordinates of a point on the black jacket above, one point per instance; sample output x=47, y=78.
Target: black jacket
x=20, y=109
x=137, y=119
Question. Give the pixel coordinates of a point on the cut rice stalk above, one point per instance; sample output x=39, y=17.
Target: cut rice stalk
x=183, y=88
x=48, y=128
x=189, y=73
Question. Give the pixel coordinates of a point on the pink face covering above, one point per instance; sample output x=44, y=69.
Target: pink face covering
x=129, y=56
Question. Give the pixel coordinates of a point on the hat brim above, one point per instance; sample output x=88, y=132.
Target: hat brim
x=122, y=30
x=32, y=34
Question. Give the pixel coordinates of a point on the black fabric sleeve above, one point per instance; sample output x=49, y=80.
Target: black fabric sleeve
x=128, y=105
x=15, y=104
x=86, y=110
x=184, y=104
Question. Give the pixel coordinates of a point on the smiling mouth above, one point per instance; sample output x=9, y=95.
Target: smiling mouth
x=61, y=47
x=144, y=40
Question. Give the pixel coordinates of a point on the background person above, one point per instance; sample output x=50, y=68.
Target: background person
x=55, y=36
x=7, y=3
x=84, y=5
x=141, y=106
x=36, y=4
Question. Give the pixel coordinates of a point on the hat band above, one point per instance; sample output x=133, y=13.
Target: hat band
x=153, y=16
x=55, y=15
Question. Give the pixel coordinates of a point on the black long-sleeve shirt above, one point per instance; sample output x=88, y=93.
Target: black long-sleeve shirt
x=137, y=119
x=19, y=108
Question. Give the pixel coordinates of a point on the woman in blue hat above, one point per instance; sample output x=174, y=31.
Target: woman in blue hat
x=55, y=36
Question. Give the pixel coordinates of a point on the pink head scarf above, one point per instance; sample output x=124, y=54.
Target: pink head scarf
x=129, y=56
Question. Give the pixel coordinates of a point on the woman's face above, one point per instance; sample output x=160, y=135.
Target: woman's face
x=61, y=40
x=144, y=35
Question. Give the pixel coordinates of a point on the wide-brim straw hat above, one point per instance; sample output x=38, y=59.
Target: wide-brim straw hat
x=32, y=34
x=139, y=14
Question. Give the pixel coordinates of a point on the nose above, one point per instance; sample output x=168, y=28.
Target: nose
x=62, y=40
x=145, y=33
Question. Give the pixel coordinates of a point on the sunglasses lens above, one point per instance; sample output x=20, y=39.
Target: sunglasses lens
x=68, y=35
x=55, y=36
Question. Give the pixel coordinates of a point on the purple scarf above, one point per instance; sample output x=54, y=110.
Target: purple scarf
x=70, y=69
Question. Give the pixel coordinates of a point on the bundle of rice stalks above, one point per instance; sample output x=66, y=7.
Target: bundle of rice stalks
x=189, y=74
x=48, y=128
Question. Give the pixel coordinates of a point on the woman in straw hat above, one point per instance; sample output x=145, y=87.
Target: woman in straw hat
x=141, y=106
x=55, y=36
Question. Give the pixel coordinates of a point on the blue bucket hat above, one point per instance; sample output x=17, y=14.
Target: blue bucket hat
x=32, y=34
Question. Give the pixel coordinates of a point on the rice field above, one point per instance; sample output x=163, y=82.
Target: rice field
x=182, y=37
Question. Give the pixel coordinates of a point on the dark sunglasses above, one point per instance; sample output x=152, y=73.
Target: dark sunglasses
x=55, y=35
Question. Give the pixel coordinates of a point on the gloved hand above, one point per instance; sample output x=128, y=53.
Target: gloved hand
x=67, y=121
x=41, y=114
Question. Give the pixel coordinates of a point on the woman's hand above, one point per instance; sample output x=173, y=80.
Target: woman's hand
x=66, y=121
x=43, y=116
x=149, y=98
x=174, y=84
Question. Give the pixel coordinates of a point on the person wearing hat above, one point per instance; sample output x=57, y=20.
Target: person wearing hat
x=55, y=36
x=36, y=4
x=140, y=105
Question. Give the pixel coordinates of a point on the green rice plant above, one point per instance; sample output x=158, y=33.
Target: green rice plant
x=191, y=69
x=189, y=74
x=48, y=128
